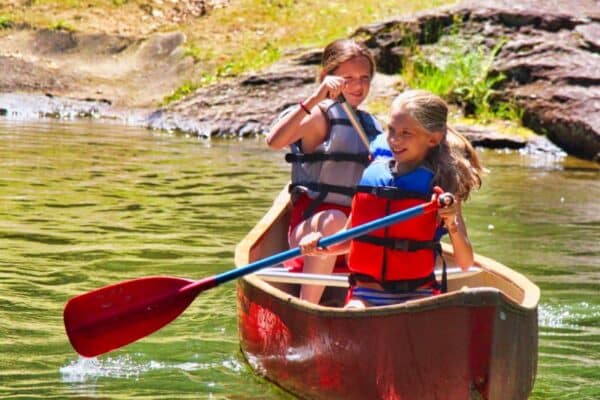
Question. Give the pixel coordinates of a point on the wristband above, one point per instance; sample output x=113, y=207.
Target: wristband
x=302, y=106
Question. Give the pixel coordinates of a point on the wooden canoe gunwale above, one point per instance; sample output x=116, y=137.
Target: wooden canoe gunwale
x=483, y=296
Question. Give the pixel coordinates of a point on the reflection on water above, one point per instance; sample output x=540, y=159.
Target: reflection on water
x=82, y=206
x=566, y=316
x=131, y=366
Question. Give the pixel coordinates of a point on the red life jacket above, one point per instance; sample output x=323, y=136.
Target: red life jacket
x=401, y=252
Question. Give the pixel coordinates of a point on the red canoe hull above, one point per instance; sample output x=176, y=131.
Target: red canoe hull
x=453, y=351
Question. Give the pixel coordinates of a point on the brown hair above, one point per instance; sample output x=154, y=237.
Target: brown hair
x=455, y=163
x=340, y=51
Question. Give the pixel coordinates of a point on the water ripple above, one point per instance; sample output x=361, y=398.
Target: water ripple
x=132, y=366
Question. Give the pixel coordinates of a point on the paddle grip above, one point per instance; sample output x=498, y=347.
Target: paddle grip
x=445, y=200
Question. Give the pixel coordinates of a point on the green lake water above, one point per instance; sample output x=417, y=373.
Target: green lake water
x=85, y=205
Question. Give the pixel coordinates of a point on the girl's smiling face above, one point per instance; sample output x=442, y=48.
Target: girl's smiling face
x=357, y=74
x=409, y=140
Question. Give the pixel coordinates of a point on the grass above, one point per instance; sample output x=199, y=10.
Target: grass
x=62, y=25
x=5, y=22
x=380, y=107
x=182, y=91
x=462, y=77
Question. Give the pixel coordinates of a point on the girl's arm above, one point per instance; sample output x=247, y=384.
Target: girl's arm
x=457, y=230
x=298, y=124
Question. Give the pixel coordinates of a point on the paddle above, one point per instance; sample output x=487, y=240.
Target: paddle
x=114, y=316
x=353, y=117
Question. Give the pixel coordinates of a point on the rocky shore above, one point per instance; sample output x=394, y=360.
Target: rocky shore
x=549, y=56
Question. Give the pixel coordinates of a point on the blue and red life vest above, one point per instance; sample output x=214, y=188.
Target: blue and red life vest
x=401, y=256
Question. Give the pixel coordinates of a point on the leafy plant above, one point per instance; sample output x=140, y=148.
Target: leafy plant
x=186, y=89
x=5, y=22
x=463, y=77
x=193, y=51
x=62, y=25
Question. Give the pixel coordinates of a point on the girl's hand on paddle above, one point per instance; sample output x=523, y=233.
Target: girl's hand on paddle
x=449, y=214
x=330, y=88
x=309, y=245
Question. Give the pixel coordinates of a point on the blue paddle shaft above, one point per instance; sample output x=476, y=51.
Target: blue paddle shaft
x=443, y=200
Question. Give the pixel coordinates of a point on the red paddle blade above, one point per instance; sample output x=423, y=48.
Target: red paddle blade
x=113, y=316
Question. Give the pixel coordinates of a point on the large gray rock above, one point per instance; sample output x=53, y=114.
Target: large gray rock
x=550, y=59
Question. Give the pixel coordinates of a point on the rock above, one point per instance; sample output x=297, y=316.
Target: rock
x=18, y=106
x=590, y=33
x=48, y=41
x=550, y=59
x=489, y=138
x=129, y=71
x=243, y=105
x=568, y=115
x=20, y=75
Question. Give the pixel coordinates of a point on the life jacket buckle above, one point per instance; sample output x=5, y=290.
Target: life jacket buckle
x=402, y=245
x=382, y=190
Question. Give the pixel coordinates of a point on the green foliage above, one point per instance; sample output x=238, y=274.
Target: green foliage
x=195, y=52
x=5, y=22
x=251, y=60
x=62, y=25
x=119, y=2
x=186, y=89
x=463, y=77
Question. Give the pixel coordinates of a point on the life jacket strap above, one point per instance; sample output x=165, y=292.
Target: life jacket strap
x=361, y=158
x=312, y=207
x=369, y=128
x=400, y=244
x=392, y=193
x=322, y=189
x=340, y=121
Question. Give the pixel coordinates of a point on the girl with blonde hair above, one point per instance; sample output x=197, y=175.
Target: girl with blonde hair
x=395, y=264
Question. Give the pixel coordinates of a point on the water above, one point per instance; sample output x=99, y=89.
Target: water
x=83, y=205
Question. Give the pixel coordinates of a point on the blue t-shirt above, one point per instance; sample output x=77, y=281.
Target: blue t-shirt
x=380, y=148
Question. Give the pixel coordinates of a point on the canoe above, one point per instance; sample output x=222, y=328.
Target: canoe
x=478, y=341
